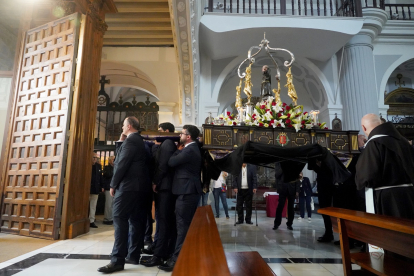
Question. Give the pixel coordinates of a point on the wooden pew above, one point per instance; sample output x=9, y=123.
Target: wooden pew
x=390, y=233
x=202, y=252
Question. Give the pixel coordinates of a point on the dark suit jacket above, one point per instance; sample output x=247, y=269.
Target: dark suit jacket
x=187, y=167
x=292, y=187
x=131, y=166
x=96, y=179
x=251, y=178
x=306, y=187
x=164, y=174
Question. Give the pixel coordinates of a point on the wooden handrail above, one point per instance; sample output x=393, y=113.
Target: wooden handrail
x=202, y=252
x=386, y=222
x=390, y=233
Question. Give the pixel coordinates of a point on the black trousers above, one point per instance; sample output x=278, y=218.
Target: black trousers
x=129, y=214
x=325, y=195
x=167, y=235
x=290, y=196
x=148, y=227
x=244, y=196
x=185, y=208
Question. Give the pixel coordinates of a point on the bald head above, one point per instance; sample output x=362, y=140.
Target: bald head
x=369, y=122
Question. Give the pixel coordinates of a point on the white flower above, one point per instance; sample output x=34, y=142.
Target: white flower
x=279, y=122
x=297, y=127
x=277, y=108
x=308, y=126
x=266, y=125
x=268, y=116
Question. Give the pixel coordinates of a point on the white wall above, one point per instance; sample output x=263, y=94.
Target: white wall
x=160, y=65
x=5, y=84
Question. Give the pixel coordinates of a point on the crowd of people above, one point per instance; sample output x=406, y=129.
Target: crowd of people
x=172, y=175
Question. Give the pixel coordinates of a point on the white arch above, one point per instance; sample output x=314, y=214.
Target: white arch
x=124, y=75
x=389, y=71
x=301, y=61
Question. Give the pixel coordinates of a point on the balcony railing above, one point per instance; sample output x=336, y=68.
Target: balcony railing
x=347, y=8
x=400, y=11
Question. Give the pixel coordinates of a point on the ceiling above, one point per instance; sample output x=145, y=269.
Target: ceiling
x=139, y=23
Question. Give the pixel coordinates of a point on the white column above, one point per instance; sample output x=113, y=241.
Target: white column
x=166, y=113
x=358, y=86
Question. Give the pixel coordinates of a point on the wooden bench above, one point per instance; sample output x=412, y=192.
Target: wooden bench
x=390, y=233
x=202, y=252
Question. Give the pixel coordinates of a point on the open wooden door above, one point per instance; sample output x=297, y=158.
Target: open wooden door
x=38, y=134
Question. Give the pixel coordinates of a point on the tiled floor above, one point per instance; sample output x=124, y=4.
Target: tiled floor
x=287, y=252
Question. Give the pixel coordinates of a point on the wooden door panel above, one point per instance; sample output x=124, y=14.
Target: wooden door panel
x=38, y=134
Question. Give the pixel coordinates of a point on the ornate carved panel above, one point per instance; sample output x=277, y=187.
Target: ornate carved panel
x=263, y=136
x=301, y=139
x=339, y=141
x=222, y=137
x=36, y=157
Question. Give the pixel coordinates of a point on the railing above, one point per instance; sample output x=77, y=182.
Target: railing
x=400, y=11
x=348, y=8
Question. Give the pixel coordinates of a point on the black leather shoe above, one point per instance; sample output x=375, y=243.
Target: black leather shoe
x=325, y=239
x=249, y=222
x=111, y=267
x=108, y=222
x=153, y=261
x=147, y=251
x=93, y=225
x=275, y=227
x=167, y=266
x=289, y=227
x=130, y=261
x=239, y=222
x=217, y=216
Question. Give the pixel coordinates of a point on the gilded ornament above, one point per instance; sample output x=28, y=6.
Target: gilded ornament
x=291, y=88
x=248, y=83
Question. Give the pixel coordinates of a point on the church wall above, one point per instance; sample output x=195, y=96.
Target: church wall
x=5, y=85
x=161, y=66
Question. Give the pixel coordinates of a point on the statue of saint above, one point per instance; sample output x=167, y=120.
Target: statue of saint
x=248, y=83
x=291, y=88
x=266, y=82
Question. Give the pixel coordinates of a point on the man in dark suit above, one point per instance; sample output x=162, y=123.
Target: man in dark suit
x=245, y=185
x=96, y=188
x=287, y=190
x=164, y=199
x=305, y=197
x=325, y=186
x=186, y=186
x=130, y=187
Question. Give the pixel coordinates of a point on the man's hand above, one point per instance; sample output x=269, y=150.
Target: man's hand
x=103, y=190
x=254, y=191
x=297, y=195
x=361, y=140
x=122, y=137
x=154, y=188
x=180, y=146
x=235, y=190
x=112, y=192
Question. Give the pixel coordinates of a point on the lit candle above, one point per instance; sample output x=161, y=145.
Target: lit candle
x=315, y=116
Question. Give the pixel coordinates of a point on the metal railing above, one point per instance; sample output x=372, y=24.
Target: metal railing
x=400, y=11
x=346, y=8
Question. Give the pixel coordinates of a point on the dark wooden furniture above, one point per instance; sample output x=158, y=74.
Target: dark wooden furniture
x=392, y=234
x=230, y=137
x=203, y=254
